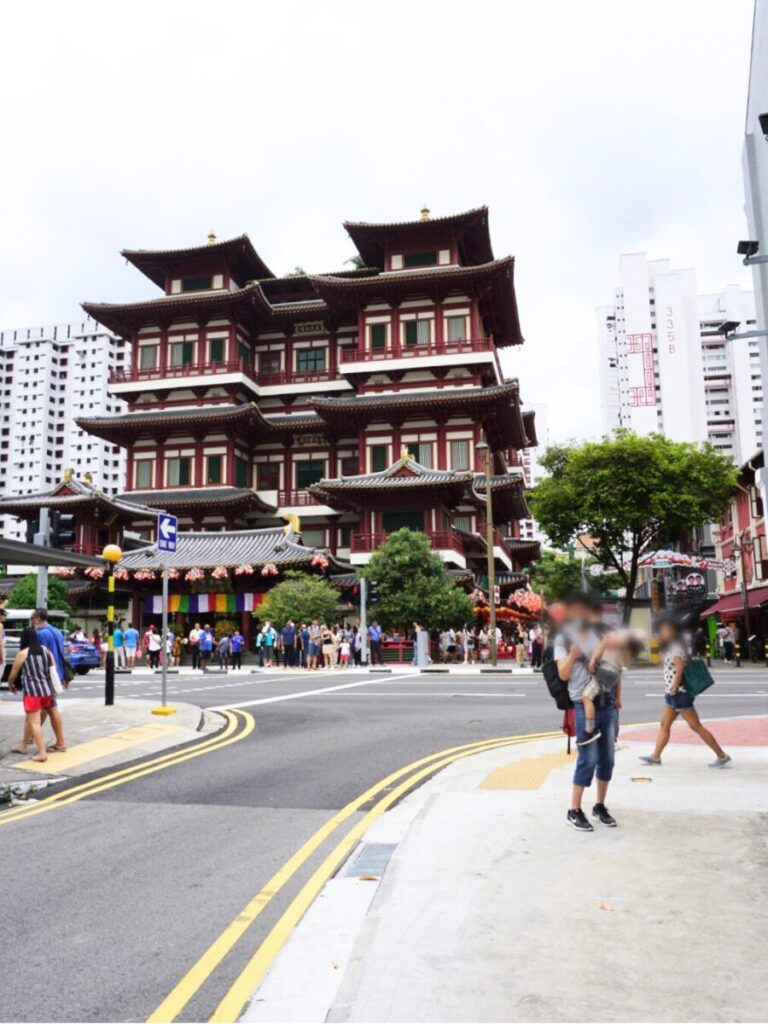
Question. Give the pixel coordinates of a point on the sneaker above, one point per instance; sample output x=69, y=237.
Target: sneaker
x=649, y=759
x=721, y=762
x=585, y=738
x=600, y=813
x=578, y=820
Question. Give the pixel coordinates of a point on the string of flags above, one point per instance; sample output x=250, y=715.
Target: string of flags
x=194, y=604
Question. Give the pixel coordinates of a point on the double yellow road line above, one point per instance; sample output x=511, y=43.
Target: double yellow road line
x=239, y=725
x=388, y=791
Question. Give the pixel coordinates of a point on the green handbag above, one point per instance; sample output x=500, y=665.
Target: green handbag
x=696, y=677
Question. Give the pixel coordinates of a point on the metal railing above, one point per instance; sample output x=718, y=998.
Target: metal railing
x=244, y=366
x=289, y=498
x=398, y=351
x=362, y=543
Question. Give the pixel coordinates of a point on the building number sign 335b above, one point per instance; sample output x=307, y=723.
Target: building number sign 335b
x=166, y=532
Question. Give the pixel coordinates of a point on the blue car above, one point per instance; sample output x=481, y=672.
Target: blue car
x=83, y=656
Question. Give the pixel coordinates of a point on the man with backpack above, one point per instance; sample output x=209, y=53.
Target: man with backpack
x=574, y=647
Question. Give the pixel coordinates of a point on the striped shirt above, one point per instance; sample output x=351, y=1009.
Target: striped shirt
x=35, y=677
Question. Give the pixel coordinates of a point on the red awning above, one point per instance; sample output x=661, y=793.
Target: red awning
x=735, y=602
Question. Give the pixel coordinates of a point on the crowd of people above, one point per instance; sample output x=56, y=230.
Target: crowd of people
x=522, y=643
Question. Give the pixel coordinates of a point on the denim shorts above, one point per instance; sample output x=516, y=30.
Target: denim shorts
x=680, y=700
x=597, y=758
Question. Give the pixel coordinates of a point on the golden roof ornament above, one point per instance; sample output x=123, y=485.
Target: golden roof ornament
x=211, y=237
x=88, y=477
x=424, y=212
x=293, y=523
x=67, y=475
x=405, y=454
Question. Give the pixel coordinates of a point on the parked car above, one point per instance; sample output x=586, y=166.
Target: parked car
x=83, y=656
x=17, y=619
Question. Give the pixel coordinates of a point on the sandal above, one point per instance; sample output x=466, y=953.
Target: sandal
x=18, y=750
x=40, y=757
x=52, y=748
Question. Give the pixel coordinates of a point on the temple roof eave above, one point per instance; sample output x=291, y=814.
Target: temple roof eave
x=238, y=253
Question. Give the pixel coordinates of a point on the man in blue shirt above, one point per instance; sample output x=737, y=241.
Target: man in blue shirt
x=288, y=635
x=51, y=638
x=304, y=646
x=117, y=643
x=237, y=643
x=374, y=637
x=131, y=644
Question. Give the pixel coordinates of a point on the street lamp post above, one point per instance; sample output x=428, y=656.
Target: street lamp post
x=738, y=550
x=486, y=453
x=111, y=555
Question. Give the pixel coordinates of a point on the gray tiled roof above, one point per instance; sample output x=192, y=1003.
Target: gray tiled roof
x=418, y=476
x=81, y=494
x=191, y=496
x=206, y=550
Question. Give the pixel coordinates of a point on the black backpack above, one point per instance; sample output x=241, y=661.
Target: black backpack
x=558, y=689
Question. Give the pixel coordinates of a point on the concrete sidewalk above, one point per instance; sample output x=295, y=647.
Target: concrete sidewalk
x=97, y=737
x=473, y=901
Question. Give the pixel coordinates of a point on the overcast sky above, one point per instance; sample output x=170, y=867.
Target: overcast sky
x=589, y=128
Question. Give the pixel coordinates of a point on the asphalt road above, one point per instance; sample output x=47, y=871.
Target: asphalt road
x=110, y=900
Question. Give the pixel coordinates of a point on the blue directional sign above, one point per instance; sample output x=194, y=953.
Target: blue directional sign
x=166, y=532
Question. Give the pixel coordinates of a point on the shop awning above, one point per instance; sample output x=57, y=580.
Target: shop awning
x=735, y=602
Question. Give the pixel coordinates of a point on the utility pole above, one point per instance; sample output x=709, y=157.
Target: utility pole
x=43, y=539
x=486, y=451
x=363, y=622
x=111, y=555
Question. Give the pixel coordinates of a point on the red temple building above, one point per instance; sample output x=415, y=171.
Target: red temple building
x=349, y=403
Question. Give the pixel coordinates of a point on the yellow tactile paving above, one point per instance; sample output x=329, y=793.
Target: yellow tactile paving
x=527, y=773
x=94, y=749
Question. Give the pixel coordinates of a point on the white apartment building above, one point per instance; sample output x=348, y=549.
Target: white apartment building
x=49, y=376
x=532, y=470
x=666, y=366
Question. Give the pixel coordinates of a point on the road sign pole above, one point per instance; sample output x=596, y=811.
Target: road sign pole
x=164, y=700
x=166, y=543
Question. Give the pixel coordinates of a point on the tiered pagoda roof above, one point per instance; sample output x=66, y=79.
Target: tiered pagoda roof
x=277, y=545
x=524, y=551
x=498, y=407
x=244, y=420
x=237, y=254
x=192, y=499
x=73, y=495
x=469, y=228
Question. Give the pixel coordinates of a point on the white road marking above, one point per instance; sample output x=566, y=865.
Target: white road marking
x=410, y=693
x=709, y=695
x=301, y=693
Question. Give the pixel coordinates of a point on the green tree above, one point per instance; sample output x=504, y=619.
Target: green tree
x=24, y=594
x=557, y=574
x=414, y=586
x=302, y=597
x=357, y=261
x=628, y=492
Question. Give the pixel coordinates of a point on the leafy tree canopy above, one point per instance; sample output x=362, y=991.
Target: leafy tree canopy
x=24, y=594
x=302, y=597
x=414, y=586
x=557, y=574
x=627, y=492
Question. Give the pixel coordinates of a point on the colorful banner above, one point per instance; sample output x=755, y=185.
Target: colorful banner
x=201, y=604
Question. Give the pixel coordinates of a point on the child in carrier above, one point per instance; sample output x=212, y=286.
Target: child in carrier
x=614, y=652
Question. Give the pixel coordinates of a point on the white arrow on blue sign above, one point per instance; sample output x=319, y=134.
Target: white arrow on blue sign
x=166, y=532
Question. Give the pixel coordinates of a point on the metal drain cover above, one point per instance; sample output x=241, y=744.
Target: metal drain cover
x=371, y=859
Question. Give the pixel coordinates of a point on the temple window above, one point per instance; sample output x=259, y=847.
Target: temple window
x=267, y=476
x=243, y=351
x=456, y=328
x=241, y=472
x=345, y=536
x=178, y=472
x=460, y=455
x=350, y=466
x=417, y=332
x=463, y=523
x=216, y=350
x=269, y=362
x=182, y=353
x=148, y=357
x=420, y=259
x=378, y=457
x=310, y=360
x=214, y=474
x=198, y=283
x=314, y=537
x=421, y=452
x=412, y=518
x=143, y=473
x=378, y=336
x=309, y=472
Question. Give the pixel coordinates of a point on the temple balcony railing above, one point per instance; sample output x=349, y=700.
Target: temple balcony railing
x=443, y=540
x=291, y=499
x=173, y=374
x=398, y=351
